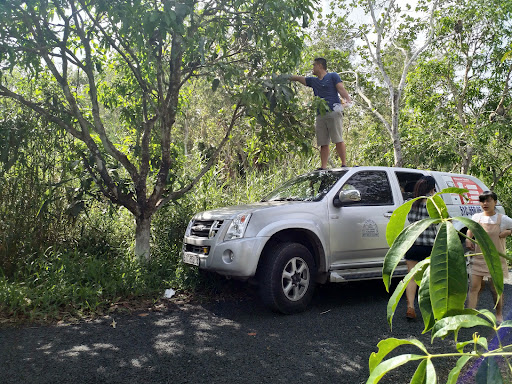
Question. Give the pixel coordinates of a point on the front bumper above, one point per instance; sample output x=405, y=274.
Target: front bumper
x=238, y=258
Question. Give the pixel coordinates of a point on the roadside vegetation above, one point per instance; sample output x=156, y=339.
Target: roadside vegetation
x=88, y=268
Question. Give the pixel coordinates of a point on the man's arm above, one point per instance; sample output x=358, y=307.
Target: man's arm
x=300, y=79
x=343, y=93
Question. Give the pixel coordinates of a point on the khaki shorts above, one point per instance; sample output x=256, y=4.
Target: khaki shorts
x=329, y=126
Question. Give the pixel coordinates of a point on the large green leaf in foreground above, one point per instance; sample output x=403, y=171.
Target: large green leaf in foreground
x=448, y=283
x=419, y=269
x=378, y=367
x=401, y=245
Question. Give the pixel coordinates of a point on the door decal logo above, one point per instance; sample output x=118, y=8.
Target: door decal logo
x=370, y=229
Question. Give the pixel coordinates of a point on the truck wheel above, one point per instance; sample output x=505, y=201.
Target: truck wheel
x=287, y=278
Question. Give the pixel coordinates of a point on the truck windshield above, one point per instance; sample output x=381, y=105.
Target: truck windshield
x=308, y=187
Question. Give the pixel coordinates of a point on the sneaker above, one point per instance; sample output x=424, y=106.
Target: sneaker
x=321, y=169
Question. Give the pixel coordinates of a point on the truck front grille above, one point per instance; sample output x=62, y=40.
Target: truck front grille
x=205, y=228
x=197, y=249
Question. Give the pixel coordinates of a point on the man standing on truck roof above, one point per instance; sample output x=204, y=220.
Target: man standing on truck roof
x=328, y=86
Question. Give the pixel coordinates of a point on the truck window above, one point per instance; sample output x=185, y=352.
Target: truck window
x=374, y=187
x=407, y=181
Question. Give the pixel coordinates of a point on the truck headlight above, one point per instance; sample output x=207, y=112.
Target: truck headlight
x=189, y=227
x=237, y=227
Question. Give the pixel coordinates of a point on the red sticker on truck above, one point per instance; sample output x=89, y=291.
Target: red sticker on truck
x=473, y=188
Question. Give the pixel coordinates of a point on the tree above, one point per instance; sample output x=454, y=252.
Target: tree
x=462, y=86
x=389, y=46
x=131, y=60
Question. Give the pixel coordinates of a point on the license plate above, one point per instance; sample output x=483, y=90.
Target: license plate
x=190, y=258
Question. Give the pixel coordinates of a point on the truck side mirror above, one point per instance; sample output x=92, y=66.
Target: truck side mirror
x=348, y=197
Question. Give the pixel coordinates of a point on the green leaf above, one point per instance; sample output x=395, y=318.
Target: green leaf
x=488, y=314
x=453, y=323
x=448, y=276
x=401, y=245
x=436, y=207
x=431, y=373
x=387, y=346
x=182, y=10
x=391, y=364
x=458, y=191
x=506, y=56
x=420, y=375
x=400, y=289
x=432, y=209
x=482, y=341
x=397, y=221
x=489, y=372
x=455, y=372
x=506, y=324
x=424, y=301
x=491, y=255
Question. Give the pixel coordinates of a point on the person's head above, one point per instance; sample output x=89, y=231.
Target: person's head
x=488, y=200
x=486, y=195
x=424, y=186
x=319, y=65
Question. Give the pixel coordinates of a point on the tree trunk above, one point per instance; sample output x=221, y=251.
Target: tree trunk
x=142, y=237
x=395, y=134
x=466, y=162
x=397, y=151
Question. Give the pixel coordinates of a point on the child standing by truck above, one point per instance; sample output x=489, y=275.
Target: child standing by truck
x=498, y=227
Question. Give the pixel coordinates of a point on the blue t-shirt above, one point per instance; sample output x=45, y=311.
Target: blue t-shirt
x=326, y=88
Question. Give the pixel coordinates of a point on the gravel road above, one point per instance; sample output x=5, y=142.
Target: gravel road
x=231, y=340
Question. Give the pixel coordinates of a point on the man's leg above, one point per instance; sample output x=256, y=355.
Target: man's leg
x=322, y=139
x=336, y=134
x=324, y=155
x=342, y=152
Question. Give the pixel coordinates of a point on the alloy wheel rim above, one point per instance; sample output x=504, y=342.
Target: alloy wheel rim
x=295, y=279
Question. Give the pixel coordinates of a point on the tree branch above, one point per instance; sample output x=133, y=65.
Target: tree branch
x=237, y=113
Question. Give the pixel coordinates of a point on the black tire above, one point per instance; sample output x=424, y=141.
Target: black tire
x=287, y=278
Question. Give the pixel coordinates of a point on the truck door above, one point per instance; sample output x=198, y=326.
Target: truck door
x=358, y=231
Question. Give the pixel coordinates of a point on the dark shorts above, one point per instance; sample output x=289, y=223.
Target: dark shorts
x=418, y=252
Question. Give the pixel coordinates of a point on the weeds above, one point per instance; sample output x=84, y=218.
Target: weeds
x=92, y=270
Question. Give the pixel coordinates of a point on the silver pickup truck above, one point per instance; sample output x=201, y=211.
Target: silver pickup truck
x=327, y=225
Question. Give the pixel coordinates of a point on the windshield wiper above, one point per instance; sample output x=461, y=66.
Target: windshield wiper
x=288, y=199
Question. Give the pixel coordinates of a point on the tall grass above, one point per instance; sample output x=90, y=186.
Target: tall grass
x=91, y=268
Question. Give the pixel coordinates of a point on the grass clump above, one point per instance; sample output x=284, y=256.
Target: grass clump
x=89, y=269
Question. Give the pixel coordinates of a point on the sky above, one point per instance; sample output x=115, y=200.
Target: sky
x=361, y=16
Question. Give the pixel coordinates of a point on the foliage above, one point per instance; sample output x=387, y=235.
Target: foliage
x=111, y=74
x=89, y=270
x=38, y=184
x=442, y=280
x=461, y=89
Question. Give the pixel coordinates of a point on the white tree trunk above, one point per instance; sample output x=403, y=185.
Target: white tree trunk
x=142, y=238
